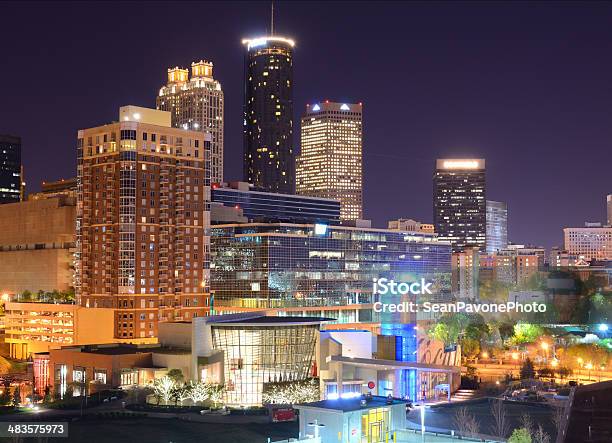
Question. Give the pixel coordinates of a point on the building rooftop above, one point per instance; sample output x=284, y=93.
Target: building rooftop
x=112, y=349
x=350, y=404
x=268, y=320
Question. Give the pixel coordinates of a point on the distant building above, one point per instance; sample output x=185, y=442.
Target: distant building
x=37, y=245
x=142, y=221
x=465, y=273
x=560, y=258
x=514, y=250
x=260, y=205
x=331, y=156
x=409, y=225
x=269, y=154
x=497, y=226
x=590, y=242
x=609, y=207
x=196, y=104
x=512, y=269
x=11, y=173
x=63, y=187
x=460, y=202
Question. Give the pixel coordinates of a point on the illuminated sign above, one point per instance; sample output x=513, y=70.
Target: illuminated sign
x=261, y=41
x=316, y=108
x=345, y=107
x=461, y=164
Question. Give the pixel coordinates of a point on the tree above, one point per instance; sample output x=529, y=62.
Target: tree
x=26, y=296
x=199, y=392
x=589, y=353
x=520, y=435
x=470, y=348
x=526, y=333
x=289, y=393
x=501, y=425
x=539, y=436
x=47, y=396
x=546, y=373
x=466, y=423
x=215, y=393
x=527, y=370
x=564, y=372
x=176, y=375
x=162, y=388
x=16, y=396
x=5, y=397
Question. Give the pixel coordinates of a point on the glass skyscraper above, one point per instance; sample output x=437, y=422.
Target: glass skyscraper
x=10, y=169
x=269, y=157
x=315, y=269
x=460, y=202
x=497, y=226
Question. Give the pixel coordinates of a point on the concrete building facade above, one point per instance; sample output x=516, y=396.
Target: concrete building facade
x=37, y=245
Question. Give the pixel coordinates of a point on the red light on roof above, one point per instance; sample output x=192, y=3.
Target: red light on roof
x=237, y=207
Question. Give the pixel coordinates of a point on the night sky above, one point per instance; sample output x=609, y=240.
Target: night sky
x=527, y=86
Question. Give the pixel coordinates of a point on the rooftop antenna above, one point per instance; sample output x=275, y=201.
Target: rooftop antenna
x=272, y=20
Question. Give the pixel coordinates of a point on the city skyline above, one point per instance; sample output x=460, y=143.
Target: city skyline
x=529, y=131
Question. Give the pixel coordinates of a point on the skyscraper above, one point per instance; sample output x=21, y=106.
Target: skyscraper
x=497, y=226
x=142, y=215
x=196, y=104
x=269, y=157
x=10, y=169
x=460, y=202
x=609, y=207
x=330, y=161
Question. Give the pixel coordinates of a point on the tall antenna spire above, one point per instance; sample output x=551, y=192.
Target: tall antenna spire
x=272, y=20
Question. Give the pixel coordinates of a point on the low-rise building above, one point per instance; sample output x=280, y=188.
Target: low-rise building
x=91, y=368
x=39, y=327
x=410, y=225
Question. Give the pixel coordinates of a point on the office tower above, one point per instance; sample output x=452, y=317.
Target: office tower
x=258, y=205
x=460, y=202
x=330, y=161
x=497, y=226
x=609, y=207
x=11, y=190
x=269, y=156
x=314, y=268
x=142, y=214
x=593, y=242
x=196, y=104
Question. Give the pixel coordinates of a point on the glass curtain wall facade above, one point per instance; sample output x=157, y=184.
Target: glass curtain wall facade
x=267, y=206
x=497, y=226
x=10, y=169
x=282, y=266
x=256, y=355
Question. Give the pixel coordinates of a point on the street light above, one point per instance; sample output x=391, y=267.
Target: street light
x=580, y=361
x=545, y=349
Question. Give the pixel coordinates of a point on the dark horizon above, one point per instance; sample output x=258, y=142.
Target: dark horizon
x=527, y=86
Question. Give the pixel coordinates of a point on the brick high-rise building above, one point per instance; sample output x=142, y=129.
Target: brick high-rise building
x=142, y=215
x=196, y=104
